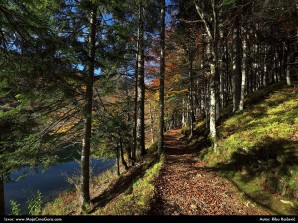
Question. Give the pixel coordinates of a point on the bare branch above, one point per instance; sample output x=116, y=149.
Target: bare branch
x=204, y=18
x=188, y=21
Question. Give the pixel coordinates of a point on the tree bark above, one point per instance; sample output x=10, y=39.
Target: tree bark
x=122, y=155
x=118, y=161
x=191, y=115
x=161, y=78
x=128, y=149
x=183, y=112
x=288, y=61
x=141, y=86
x=243, y=78
x=2, y=201
x=213, y=106
x=237, y=69
x=85, y=154
x=212, y=34
x=151, y=122
x=134, y=133
x=288, y=77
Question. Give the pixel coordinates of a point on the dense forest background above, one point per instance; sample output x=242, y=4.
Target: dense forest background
x=110, y=77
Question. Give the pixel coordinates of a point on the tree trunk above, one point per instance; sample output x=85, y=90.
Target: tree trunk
x=161, y=78
x=134, y=147
x=85, y=154
x=2, y=201
x=151, y=122
x=122, y=155
x=141, y=86
x=227, y=72
x=118, y=161
x=128, y=149
x=206, y=98
x=288, y=61
x=288, y=76
x=213, y=35
x=212, y=88
x=213, y=107
x=183, y=112
x=243, y=78
x=135, y=141
x=191, y=115
x=237, y=70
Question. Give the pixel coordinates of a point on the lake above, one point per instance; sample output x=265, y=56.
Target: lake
x=50, y=182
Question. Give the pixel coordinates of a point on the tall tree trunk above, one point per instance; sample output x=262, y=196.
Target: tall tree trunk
x=288, y=77
x=161, y=78
x=118, y=161
x=288, y=61
x=128, y=104
x=134, y=146
x=227, y=72
x=141, y=86
x=237, y=69
x=183, y=112
x=213, y=35
x=85, y=154
x=2, y=201
x=191, y=115
x=122, y=155
x=151, y=121
x=212, y=110
x=244, y=69
x=206, y=104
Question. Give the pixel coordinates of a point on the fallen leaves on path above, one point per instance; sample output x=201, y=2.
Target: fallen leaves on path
x=186, y=187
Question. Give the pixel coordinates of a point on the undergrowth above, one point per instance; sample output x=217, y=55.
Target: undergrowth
x=258, y=148
x=137, y=199
x=68, y=202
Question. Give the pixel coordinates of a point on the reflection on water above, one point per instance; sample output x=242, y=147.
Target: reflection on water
x=50, y=183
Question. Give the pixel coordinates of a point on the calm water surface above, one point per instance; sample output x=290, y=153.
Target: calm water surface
x=50, y=182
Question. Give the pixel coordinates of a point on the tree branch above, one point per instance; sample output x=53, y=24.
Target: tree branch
x=204, y=18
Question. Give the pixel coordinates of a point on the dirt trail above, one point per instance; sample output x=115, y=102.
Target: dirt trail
x=186, y=187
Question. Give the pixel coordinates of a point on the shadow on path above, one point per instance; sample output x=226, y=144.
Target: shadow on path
x=186, y=186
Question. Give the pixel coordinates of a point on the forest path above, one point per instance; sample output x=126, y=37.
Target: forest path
x=186, y=186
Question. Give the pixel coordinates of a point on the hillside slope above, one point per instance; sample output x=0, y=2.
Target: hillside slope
x=258, y=149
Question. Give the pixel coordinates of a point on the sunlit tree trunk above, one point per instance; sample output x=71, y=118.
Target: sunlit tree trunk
x=212, y=38
x=237, y=69
x=288, y=77
x=184, y=116
x=151, y=112
x=191, y=115
x=288, y=61
x=85, y=154
x=243, y=72
x=141, y=86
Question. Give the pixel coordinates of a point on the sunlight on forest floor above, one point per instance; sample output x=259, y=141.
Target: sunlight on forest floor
x=258, y=149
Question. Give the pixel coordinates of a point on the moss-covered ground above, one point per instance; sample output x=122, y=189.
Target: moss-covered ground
x=258, y=148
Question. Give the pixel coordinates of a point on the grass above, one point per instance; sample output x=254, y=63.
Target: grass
x=137, y=199
x=68, y=202
x=131, y=193
x=258, y=148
